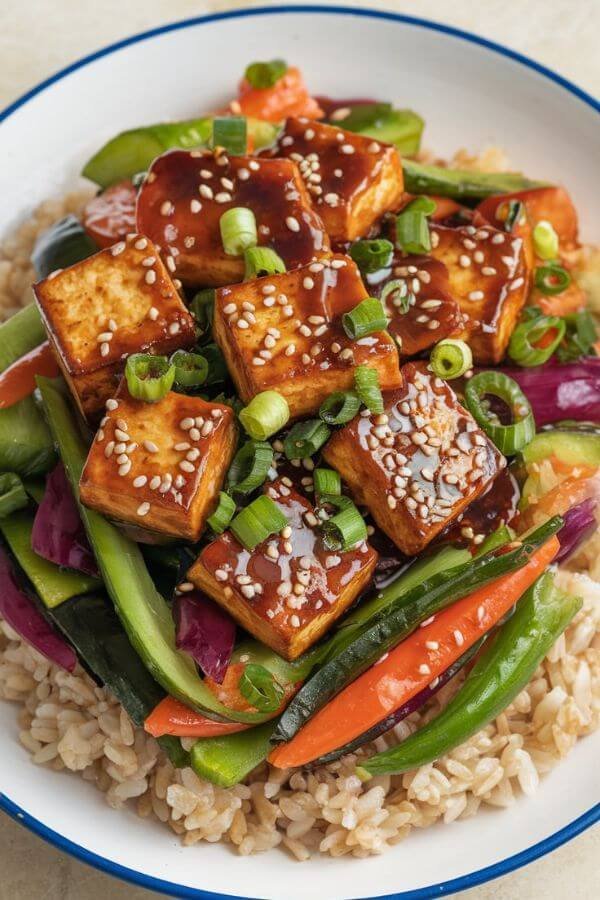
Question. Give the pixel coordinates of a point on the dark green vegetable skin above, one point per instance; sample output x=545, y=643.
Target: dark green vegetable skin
x=397, y=621
x=462, y=184
x=227, y=760
x=62, y=245
x=503, y=669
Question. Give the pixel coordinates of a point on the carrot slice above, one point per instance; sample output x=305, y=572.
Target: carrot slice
x=288, y=97
x=410, y=666
x=18, y=381
x=173, y=717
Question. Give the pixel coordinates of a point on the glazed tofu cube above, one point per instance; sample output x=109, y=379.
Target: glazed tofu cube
x=417, y=466
x=285, y=332
x=290, y=589
x=186, y=192
x=99, y=311
x=550, y=204
x=159, y=465
x=352, y=180
x=420, y=310
x=489, y=278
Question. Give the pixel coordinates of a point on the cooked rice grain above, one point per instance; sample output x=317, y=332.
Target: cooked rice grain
x=68, y=722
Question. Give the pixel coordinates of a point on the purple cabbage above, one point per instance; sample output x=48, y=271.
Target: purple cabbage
x=58, y=534
x=24, y=617
x=580, y=521
x=562, y=390
x=204, y=631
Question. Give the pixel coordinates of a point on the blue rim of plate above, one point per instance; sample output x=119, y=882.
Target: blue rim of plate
x=463, y=882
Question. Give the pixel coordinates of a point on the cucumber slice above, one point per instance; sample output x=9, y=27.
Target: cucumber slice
x=53, y=584
x=228, y=760
x=63, y=244
x=578, y=448
x=144, y=613
x=462, y=184
x=401, y=127
x=20, y=334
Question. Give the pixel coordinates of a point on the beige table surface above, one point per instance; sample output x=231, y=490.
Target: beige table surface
x=39, y=36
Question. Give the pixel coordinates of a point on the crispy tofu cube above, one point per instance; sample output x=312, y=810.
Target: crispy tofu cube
x=159, y=465
x=489, y=278
x=99, y=311
x=420, y=464
x=285, y=332
x=290, y=589
x=352, y=179
x=420, y=310
x=186, y=192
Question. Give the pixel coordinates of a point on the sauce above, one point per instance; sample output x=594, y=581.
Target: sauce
x=18, y=381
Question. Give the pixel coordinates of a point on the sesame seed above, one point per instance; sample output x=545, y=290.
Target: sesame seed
x=432, y=645
x=295, y=621
x=517, y=283
x=331, y=199
x=108, y=450
x=480, y=613
x=139, y=481
x=153, y=313
x=166, y=208
x=141, y=244
x=112, y=325
x=186, y=466
x=391, y=501
x=206, y=191
x=148, y=261
x=292, y=223
x=223, y=197
x=230, y=309
x=243, y=174
x=194, y=433
x=374, y=147
x=221, y=575
x=122, y=435
x=186, y=423
x=458, y=637
x=498, y=239
x=195, y=206
x=104, y=348
x=143, y=509
x=478, y=256
x=348, y=149
x=174, y=328
x=150, y=446
x=150, y=276
x=464, y=261
x=308, y=283
x=124, y=468
x=122, y=458
x=118, y=248
x=253, y=165
x=105, y=336
x=424, y=669
x=242, y=323
x=111, y=404
x=488, y=270
x=154, y=482
x=206, y=429
x=476, y=295
x=338, y=263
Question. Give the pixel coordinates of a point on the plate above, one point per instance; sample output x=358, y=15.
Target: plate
x=471, y=93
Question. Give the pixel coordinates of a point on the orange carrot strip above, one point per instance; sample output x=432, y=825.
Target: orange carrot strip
x=173, y=717
x=288, y=97
x=18, y=381
x=410, y=666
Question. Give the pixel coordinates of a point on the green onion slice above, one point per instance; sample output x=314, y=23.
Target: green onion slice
x=399, y=295
x=339, y=408
x=13, y=495
x=366, y=383
x=202, y=308
x=545, y=240
x=250, y=467
x=366, y=318
x=231, y=133
x=261, y=261
x=552, y=279
x=238, y=230
x=523, y=347
x=305, y=438
x=191, y=369
x=327, y=482
x=257, y=521
x=450, y=359
x=422, y=204
x=412, y=231
x=149, y=377
x=260, y=688
x=265, y=74
x=223, y=514
x=266, y=413
x=345, y=529
x=371, y=256
x=509, y=439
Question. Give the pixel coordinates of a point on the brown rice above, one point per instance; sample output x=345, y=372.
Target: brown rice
x=68, y=723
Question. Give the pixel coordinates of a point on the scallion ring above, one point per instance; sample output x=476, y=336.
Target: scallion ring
x=238, y=230
x=223, y=514
x=266, y=413
x=265, y=74
x=260, y=688
x=398, y=295
x=545, y=240
x=261, y=261
x=371, y=256
x=257, y=521
x=230, y=133
x=326, y=481
x=250, y=467
x=339, y=408
x=364, y=319
x=552, y=279
x=149, y=378
x=450, y=359
x=366, y=383
x=345, y=529
x=305, y=439
x=524, y=347
x=509, y=439
x=191, y=369
x=412, y=231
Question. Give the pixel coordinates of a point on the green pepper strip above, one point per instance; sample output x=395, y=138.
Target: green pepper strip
x=502, y=671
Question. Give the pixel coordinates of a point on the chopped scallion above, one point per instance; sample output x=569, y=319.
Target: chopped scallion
x=231, y=133
x=261, y=261
x=149, y=378
x=545, y=240
x=345, y=529
x=223, y=514
x=326, y=481
x=257, y=521
x=364, y=319
x=265, y=74
x=552, y=279
x=305, y=438
x=398, y=294
x=412, y=231
x=366, y=383
x=238, y=230
x=250, y=467
x=266, y=413
x=509, y=439
x=371, y=256
x=339, y=407
x=260, y=688
x=450, y=359
x=534, y=341
x=191, y=369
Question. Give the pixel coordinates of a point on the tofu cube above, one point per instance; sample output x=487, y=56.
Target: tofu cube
x=420, y=464
x=99, y=311
x=159, y=465
x=290, y=589
x=352, y=179
x=186, y=192
x=420, y=310
x=489, y=278
x=285, y=332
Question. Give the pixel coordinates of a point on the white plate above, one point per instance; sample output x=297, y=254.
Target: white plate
x=471, y=93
